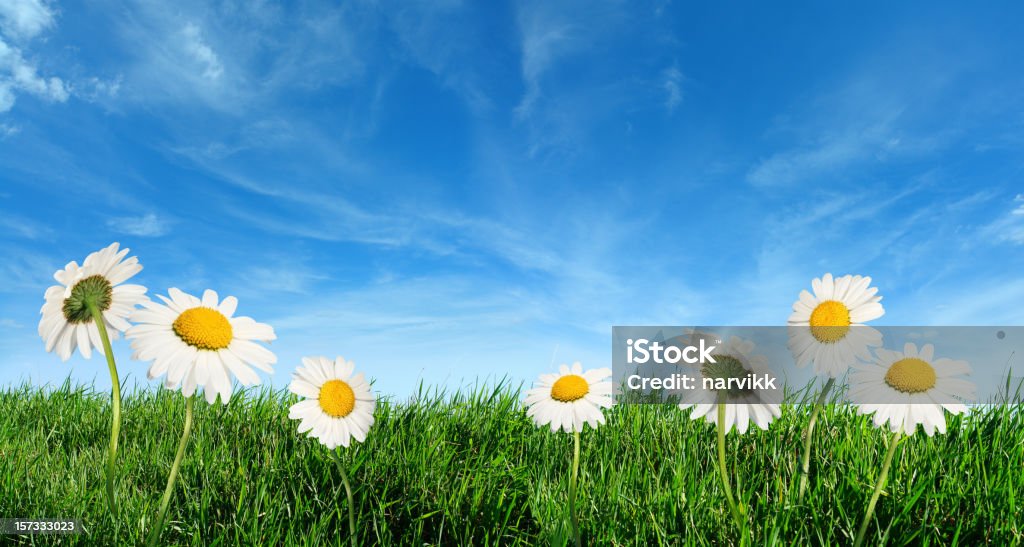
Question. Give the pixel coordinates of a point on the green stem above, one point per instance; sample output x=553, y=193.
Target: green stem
x=115, y=398
x=159, y=524
x=572, y=486
x=878, y=488
x=736, y=513
x=805, y=464
x=348, y=493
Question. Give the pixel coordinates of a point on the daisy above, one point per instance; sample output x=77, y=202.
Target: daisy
x=197, y=344
x=910, y=388
x=338, y=404
x=734, y=358
x=571, y=398
x=338, y=407
x=906, y=389
x=93, y=289
x=567, y=401
x=87, y=309
x=827, y=328
x=200, y=344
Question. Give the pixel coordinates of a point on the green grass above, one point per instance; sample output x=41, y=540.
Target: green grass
x=469, y=468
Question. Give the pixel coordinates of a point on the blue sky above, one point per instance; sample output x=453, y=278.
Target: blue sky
x=455, y=190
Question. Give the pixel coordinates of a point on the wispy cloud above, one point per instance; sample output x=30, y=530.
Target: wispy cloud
x=560, y=113
x=174, y=57
x=7, y=323
x=23, y=227
x=290, y=276
x=1008, y=227
x=831, y=153
x=435, y=35
x=547, y=35
x=862, y=119
x=8, y=130
x=672, y=79
x=237, y=58
x=25, y=270
x=148, y=225
x=95, y=89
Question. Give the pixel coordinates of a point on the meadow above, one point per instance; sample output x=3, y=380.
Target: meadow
x=469, y=468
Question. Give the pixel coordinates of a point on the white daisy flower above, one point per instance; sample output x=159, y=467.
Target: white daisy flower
x=571, y=398
x=67, y=322
x=199, y=344
x=734, y=358
x=827, y=328
x=339, y=404
x=910, y=388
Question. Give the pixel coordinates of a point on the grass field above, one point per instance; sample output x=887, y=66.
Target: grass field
x=469, y=468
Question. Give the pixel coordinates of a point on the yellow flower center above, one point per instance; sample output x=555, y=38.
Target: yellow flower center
x=830, y=321
x=911, y=375
x=204, y=328
x=570, y=388
x=337, y=399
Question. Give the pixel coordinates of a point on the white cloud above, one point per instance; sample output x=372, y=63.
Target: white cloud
x=194, y=45
x=17, y=74
x=24, y=19
x=9, y=323
x=148, y=225
x=20, y=21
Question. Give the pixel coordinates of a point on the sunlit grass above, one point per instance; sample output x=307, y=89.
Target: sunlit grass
x=461, y=468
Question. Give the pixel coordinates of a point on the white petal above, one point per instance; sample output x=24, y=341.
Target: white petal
x=228, y=306
x=210, y=298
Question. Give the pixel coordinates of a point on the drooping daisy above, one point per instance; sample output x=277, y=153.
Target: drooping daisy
x=727, y=407
x=86, y=311
x=828, y=327
x=903, y=390
x=67, y=320
x=571, y=398
x=200, y=344
x=338, y=404
x=734, y=358
x=910, y=388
